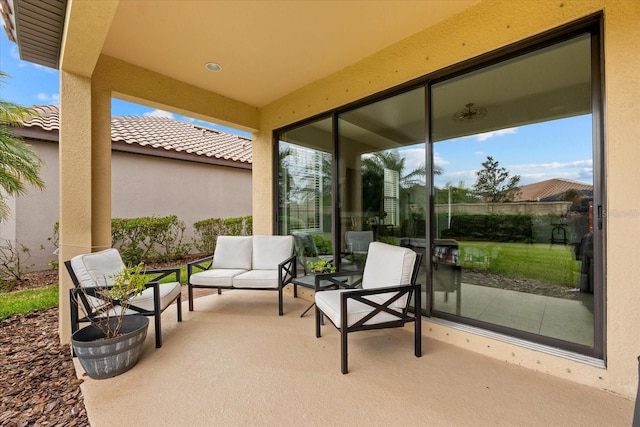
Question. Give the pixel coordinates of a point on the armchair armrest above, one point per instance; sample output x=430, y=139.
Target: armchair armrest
x=161, y=273
x=394, y=292
x=287, y=270
x=201, y=264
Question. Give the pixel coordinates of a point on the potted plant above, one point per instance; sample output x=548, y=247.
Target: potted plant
x=321, y=266
x=113, y=342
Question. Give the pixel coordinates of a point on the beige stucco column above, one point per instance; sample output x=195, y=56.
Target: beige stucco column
x=85, y=178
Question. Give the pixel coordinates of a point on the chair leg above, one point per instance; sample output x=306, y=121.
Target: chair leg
x=190, y=297
x=418, y=325
x=280, y=309
x=179, y=308
x=158, y=331
x=344, y=350
x=318, y=314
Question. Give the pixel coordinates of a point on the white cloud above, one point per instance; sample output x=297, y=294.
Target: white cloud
x=159, y=113
x=479, y=153
x=585, y=164
x=45, y=69
x=13, y=52
x=486, y=135
x=48, y=99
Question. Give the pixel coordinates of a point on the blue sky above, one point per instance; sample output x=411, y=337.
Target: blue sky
x=554, y=149
x=30, y=84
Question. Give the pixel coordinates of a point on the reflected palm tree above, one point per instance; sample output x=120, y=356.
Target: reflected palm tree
x=373, y=168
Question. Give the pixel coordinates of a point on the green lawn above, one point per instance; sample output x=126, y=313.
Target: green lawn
x=26, y=301
x=551, y=264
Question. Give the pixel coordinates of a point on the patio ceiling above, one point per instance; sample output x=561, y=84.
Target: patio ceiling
x=267, y=49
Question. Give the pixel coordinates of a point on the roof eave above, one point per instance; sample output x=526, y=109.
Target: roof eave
x=36, y=26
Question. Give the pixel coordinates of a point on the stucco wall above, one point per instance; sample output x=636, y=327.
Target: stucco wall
x=141, y=186
x=35, y=213
x=485, y=27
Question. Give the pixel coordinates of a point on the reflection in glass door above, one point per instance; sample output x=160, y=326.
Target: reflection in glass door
x=513, y=214
x=382, y=192
x=305, y=204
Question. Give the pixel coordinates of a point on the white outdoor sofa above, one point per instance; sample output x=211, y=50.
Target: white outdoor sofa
x=245, y=262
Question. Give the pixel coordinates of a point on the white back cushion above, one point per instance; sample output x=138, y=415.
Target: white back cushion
x=386, y=266
x=97, y=269
x=233, y=252
x=269, y=251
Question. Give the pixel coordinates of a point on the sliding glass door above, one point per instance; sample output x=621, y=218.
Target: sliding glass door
x=513, y=213
x=493, y=171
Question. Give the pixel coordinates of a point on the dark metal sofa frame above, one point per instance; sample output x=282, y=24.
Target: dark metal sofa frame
x=286, y=273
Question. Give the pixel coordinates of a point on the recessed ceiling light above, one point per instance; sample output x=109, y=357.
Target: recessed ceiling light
x=212, y=66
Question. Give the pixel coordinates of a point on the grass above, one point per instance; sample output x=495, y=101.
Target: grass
x=28, y=300
x=551, y=264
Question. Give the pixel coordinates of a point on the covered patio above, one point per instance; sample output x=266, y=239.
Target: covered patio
x=233, y=362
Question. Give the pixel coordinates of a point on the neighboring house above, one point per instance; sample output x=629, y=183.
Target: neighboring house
x=551, y=190
x=160, y=166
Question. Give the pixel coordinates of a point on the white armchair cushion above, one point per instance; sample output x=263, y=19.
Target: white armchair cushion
x=168, y=293
x=267, y=279
x=97, y=269
x=233, y=252
x=269, y=251
x=329, y=303
x=216, y=277
x=386, y=266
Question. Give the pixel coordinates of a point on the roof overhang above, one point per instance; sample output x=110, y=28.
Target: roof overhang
x=37, y=27
x=267, y=49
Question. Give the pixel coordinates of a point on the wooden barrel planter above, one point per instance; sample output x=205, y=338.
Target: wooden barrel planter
x=107, y=357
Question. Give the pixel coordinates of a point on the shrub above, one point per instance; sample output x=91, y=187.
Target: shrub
x=13, y=264
x=148, y=238
x=208, y=230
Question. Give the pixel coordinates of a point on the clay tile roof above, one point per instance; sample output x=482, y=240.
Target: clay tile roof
x=549, y=188
x=163, y=134
x=46, y=116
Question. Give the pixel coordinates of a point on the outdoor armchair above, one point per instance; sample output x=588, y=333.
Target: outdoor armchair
x=379, y=299
x=92, y=272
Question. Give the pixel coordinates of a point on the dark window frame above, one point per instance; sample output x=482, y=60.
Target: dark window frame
x=592, y=24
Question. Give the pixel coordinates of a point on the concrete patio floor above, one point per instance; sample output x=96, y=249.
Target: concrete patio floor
x=234, y=362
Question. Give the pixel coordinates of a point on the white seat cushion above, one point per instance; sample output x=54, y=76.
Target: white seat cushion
x=257, y=279
x=168, y=292
x=269, y=251
x=216, y=277
x=233, y=252
x=329, y=303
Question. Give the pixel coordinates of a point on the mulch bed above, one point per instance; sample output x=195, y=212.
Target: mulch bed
x=38, y=384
